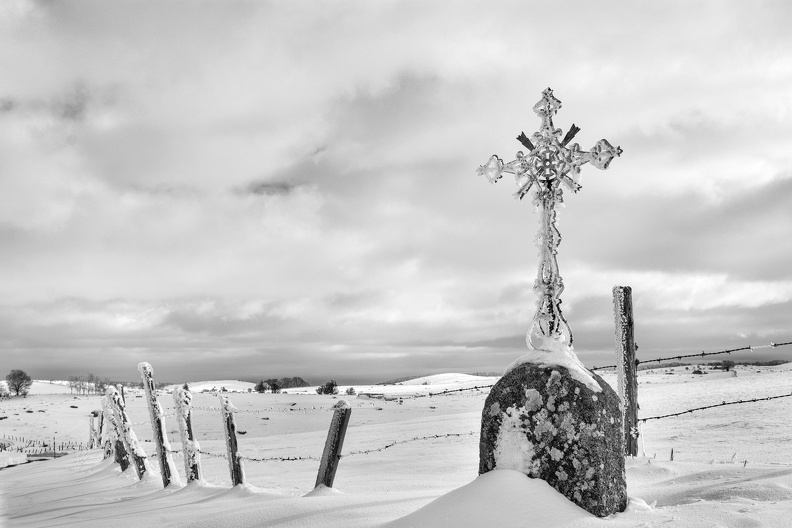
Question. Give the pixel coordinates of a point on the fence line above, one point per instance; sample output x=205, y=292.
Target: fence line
x=383, y=448
x=445, y=392
x=349, y=454
x=737, y=402
x=702, y=354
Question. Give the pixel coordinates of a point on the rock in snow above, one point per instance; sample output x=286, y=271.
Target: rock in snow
x=542, y=421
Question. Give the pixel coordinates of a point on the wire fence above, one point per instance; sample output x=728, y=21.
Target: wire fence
x=400, y=442
x=38, y=446
x=186, y=412
x=722, y=404
x=345, y=455
x=34, y=446
x=702, y=354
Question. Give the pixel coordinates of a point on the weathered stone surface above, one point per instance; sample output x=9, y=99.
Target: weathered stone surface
x=539, y=420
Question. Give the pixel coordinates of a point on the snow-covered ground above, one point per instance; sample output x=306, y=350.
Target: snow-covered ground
x=732, y=465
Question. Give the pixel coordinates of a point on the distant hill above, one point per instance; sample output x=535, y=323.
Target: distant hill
x=394, y=381
x=410, y=378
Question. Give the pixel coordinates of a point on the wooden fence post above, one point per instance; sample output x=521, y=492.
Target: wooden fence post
x=626, y=366
x=128, y=436
x=190, y=447
x=229, y=426
x=99, y=427
x=91, y=430
x=167, y=467
x=333, y=444
x=113, y=442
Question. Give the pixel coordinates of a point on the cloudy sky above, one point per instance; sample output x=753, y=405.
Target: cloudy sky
x=254, y=190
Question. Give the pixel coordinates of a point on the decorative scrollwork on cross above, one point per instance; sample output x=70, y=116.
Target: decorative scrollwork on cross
x=549, y=163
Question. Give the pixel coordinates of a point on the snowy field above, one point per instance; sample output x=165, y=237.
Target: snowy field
x=732, y=465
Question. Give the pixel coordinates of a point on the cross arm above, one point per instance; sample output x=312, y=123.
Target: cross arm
x=494, y=168
x=602, y=153
x=600, y=156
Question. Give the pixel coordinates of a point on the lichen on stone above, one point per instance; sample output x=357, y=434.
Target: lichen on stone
x=556, y=429
x=494, y=409
x=533, y=400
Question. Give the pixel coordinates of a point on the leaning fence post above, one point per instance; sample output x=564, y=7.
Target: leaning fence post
x=113, y=443
x=190, y=447
x=333, y=444
x=128, y=436
x=229, y=426
x=626, y=366
x=167, y=467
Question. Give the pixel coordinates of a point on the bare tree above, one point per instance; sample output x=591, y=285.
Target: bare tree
x=90, y=382
x=72, y=383
x=100, y=385
x=19, y=382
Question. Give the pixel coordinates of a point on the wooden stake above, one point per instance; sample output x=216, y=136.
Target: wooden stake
x=91, y=430
x=626, y=366
x=128, y=436
x=234, y=458
x=167, y=467
x=190, y=447
x=115, y=442
x=100, y=428
x=333, y=444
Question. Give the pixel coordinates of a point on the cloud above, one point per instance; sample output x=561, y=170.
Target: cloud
x=270, y=188
x=292, y=186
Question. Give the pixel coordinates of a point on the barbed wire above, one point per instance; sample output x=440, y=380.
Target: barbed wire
x=253, y=459
x=737, y=402
x=351, y=453
x=702, y=354
x=260, y=411
x=396, y=396
x=148, y=422
x=281, y=459
x=212, y=455
x=398, y=442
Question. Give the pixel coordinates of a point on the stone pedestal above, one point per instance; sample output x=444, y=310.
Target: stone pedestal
x=544, y=421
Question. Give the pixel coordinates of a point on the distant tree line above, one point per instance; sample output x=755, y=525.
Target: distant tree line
x=276, y=385
x=726, y=364
x=331, y=387
x=88, y=384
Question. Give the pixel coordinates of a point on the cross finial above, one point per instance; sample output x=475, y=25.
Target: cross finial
x=548, y=163
x=546, y=108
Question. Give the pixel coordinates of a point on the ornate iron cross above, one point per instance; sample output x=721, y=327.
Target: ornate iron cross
x=548, y=163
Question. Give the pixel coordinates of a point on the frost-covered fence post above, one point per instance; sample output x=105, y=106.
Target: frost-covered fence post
x=548, y=416
x=167, y=467
x=229, y=426
x=114, y=443
x=190, y=447
x=95, y=429
x=627, y=386
x=99, y=427
x=111, y=439
x=333, y=444
x=128, y=436
x=92, y=430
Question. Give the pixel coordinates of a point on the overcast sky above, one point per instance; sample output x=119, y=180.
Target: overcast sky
x=255, y=190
